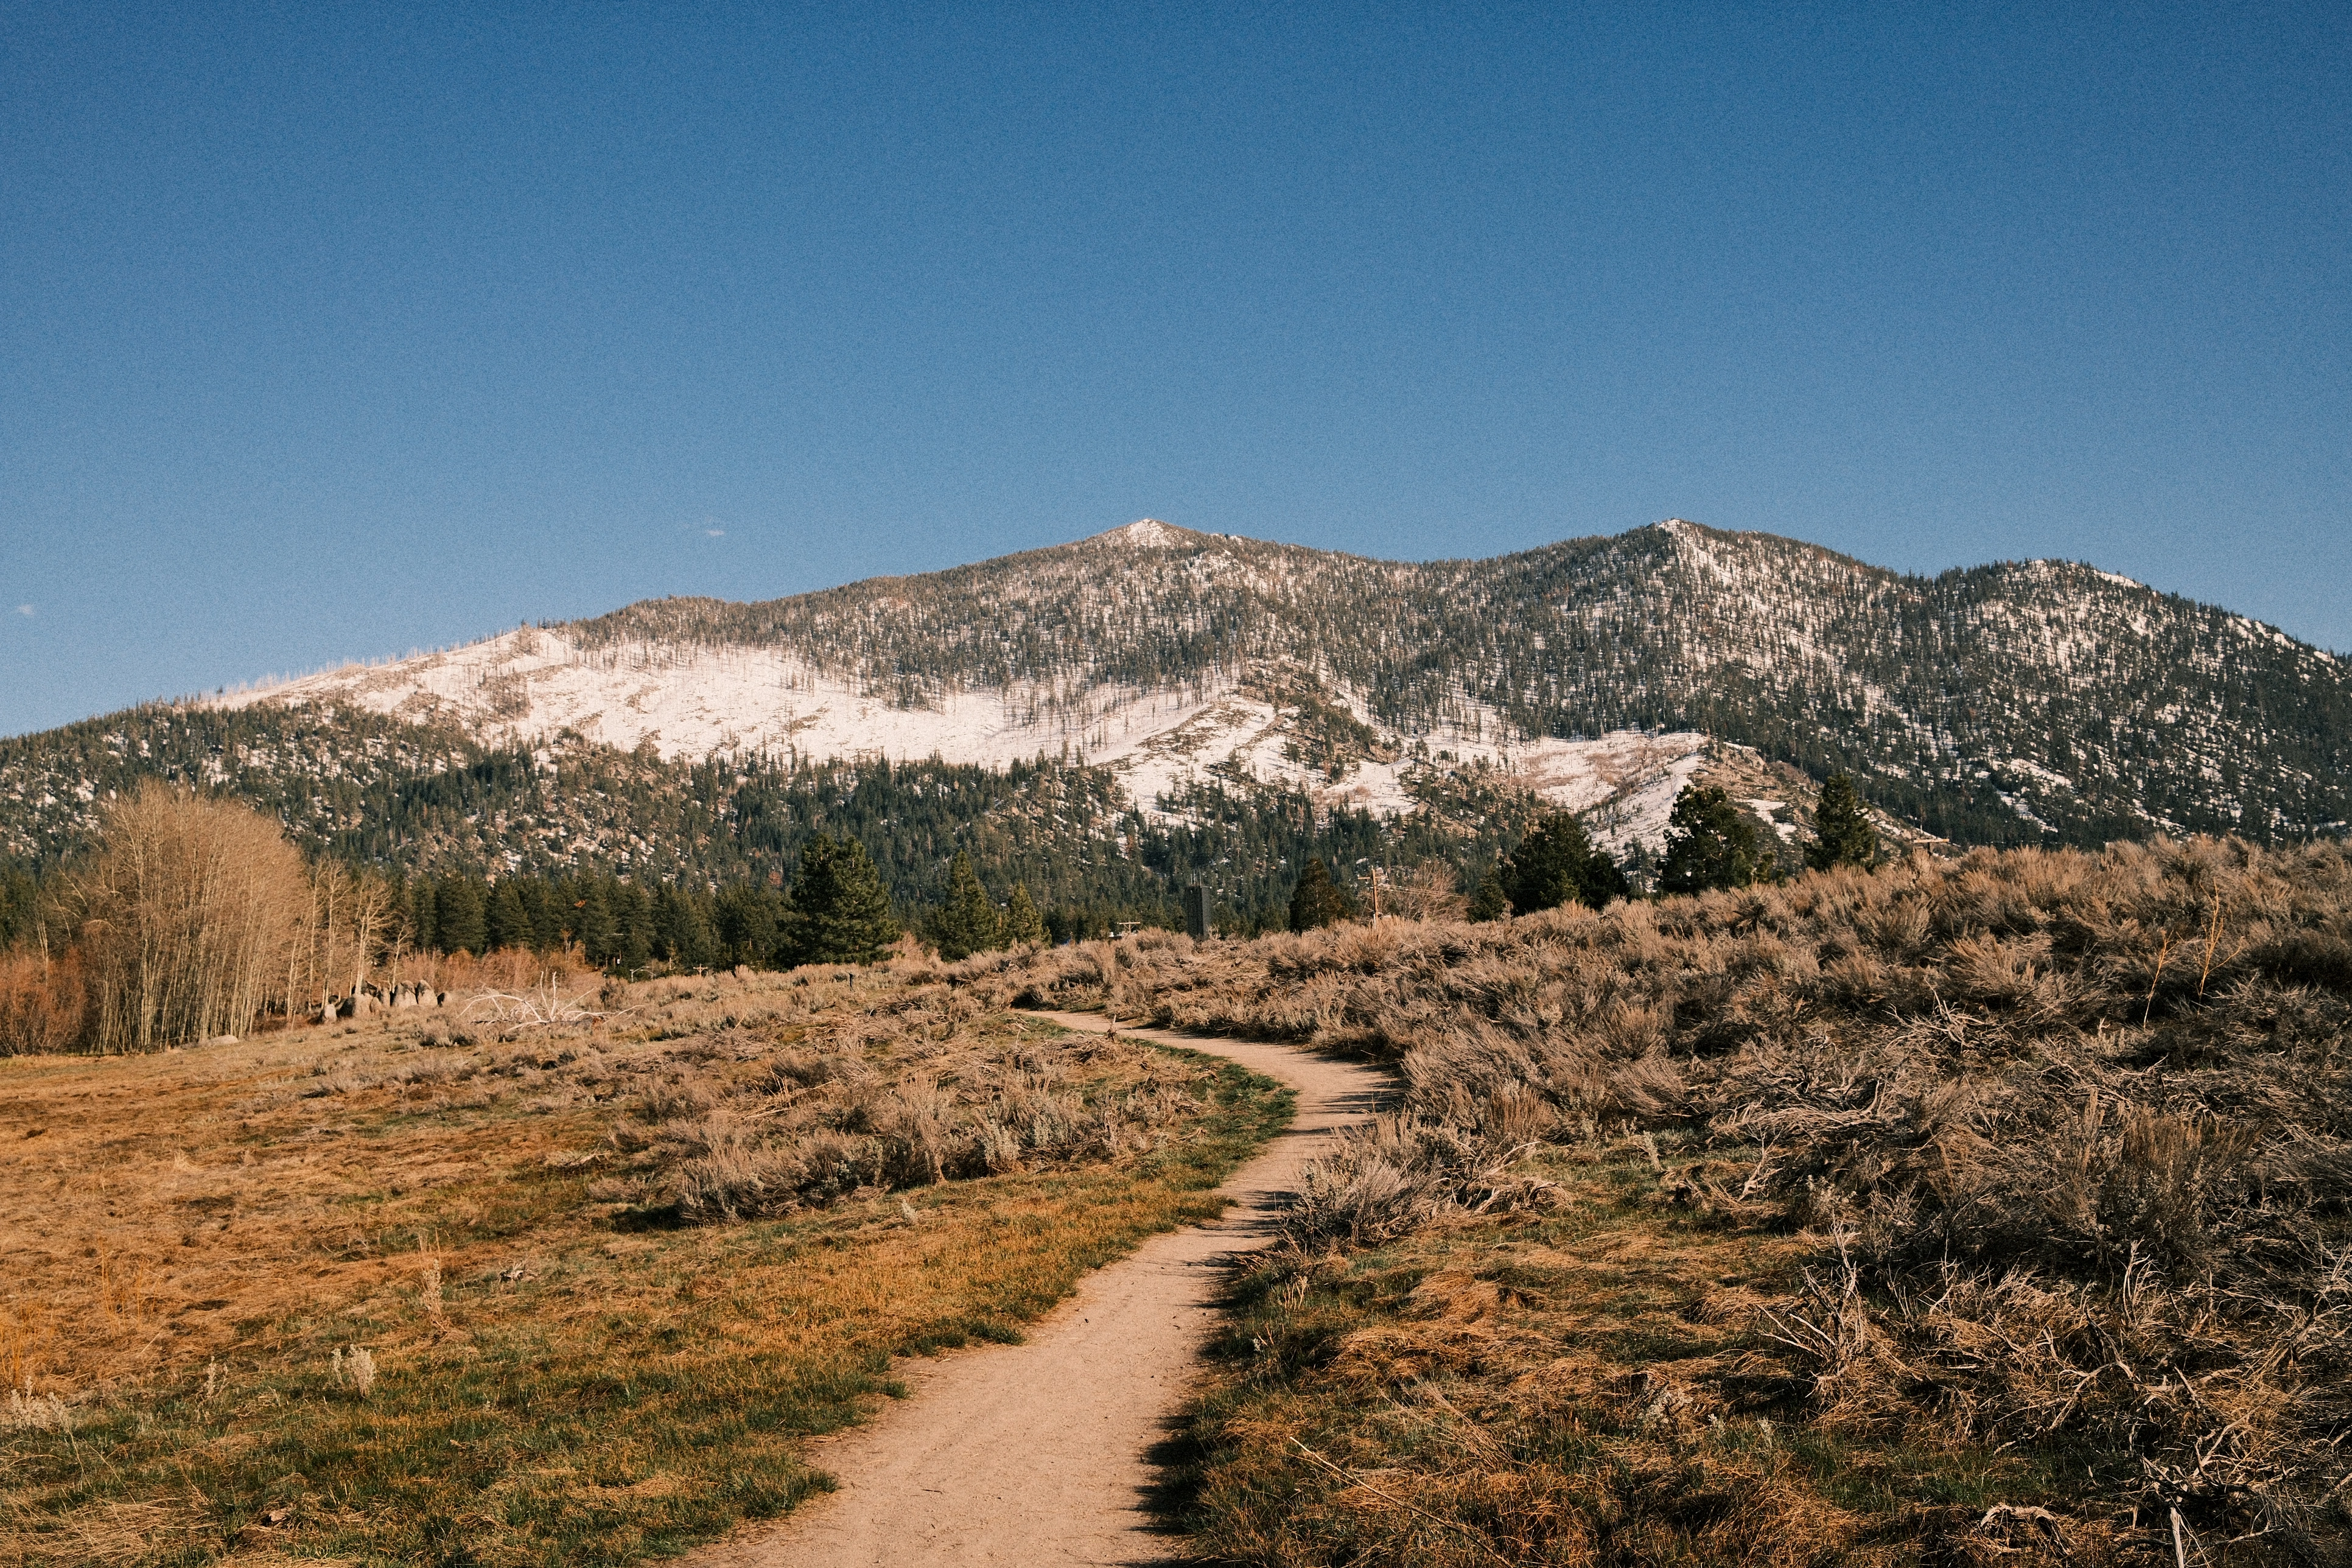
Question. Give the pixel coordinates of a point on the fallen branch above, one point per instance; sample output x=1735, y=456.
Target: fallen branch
x=532, y=1010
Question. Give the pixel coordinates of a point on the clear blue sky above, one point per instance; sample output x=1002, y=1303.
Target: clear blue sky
x=330, y=332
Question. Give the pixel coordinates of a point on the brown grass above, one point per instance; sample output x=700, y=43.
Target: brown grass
x=576, y=1356
x=2065, y=1143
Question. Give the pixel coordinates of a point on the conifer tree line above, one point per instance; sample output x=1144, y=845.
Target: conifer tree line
x=1710, y=844
x=837, y=910
x=1271, y=865
x=195, y=917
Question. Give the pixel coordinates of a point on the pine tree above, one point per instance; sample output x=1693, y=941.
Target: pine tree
x=1708, y=844
x=1557, y=862
x=968, y=923
x=505, y=923
x=1490, y=902
x=840, y=913
x=1023, y=924
x=539, y=901
x=1318, y=900
x=423, y=934
x=682, y=931
x=744, y=918
x=458, y=923
x=633, y=921
x=19, y=896
x=1843, y=835
x=592, y=920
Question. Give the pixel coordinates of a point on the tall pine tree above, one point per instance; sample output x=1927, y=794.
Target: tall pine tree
x=1318, y=900
x=1023, y=924
x=592, y=922
x=1490, y=902
x=744, y=918
x=1557, y=862
x=968, y=923
x=840, y=913
x=505, y=923
x=458, y=923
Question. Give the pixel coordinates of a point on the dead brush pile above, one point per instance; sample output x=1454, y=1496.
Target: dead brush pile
x=2070, y=1137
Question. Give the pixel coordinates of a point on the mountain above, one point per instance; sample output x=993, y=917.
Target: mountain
x=1177, y=680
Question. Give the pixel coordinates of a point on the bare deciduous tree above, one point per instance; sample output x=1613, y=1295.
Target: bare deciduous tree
x=1429, y=891
x=186, y=913
x=340, y=936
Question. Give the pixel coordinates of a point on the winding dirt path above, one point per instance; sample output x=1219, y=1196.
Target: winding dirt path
x=1034, y=1452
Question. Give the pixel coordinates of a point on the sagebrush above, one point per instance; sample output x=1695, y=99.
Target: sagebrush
x=2065, y=1141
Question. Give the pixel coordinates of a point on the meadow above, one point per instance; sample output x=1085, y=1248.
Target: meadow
x=545, y=1276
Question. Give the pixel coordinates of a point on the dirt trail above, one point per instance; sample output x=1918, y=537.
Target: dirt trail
x=1034, y=1452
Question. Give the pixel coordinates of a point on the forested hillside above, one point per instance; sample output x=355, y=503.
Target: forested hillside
x=2020, y=702
x=1256, y=705
x=424, y=802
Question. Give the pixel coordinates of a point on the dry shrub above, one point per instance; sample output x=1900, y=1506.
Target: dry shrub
x=510, y=968
x=194, y=1236
x=2081, y=1125
x=917, y=1084
x=42, y=1002
x=1429, y=891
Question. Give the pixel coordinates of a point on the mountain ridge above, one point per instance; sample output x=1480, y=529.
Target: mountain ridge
x=2088, y=702
x=1188, y=674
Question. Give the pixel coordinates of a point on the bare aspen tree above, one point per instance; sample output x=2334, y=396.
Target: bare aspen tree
x=186, y=911
x=368, y=910
x=338, y=936
x=328, y=885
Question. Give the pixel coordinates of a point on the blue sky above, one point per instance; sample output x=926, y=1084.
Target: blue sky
x=334, y=332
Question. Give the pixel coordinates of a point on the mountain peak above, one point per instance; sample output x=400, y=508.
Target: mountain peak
x=1144, y=533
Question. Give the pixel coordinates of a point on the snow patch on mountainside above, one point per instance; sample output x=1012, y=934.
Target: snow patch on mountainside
x=1626, y=782
x=689, y=699
x=527, y=686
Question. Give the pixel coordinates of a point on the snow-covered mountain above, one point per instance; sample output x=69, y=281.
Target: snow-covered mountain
x=1198, y=700
x=2010, y=702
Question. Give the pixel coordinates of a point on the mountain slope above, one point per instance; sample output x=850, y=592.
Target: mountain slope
x=2017, y=702
x=384, y=791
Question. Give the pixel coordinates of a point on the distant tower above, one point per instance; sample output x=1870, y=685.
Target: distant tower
x=1196, y=912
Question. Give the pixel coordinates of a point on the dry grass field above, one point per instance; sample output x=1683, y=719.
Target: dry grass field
x=468, y=1285
x=1995, y=1209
